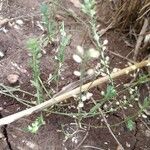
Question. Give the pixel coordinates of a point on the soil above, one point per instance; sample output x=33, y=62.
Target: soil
x=52, y=136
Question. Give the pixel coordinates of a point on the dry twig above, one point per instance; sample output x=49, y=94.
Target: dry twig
x=62, y=97
x=140, y=39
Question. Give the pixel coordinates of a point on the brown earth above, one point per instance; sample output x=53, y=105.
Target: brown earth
x=51, y=135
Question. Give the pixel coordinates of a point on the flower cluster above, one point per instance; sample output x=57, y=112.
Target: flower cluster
x=83, y=56
x=84, y=97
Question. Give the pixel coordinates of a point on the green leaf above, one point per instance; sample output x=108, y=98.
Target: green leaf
x=110, y=92
x=33, y=46
x=95, y=108
x=35, y=84
x=130, y=124
x=34, y=127
x=44, y=9
x=146, y=103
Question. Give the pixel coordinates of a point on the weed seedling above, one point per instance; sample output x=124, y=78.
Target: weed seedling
x=48, y=21
x=34, y=49
x=60, y=56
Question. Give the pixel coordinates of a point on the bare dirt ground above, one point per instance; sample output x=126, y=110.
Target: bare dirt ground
x=50, y=136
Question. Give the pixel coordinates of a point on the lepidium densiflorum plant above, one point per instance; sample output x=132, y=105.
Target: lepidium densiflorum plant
x=60, y=54
x=35, y=51
x=82, y=57
x=89, y=8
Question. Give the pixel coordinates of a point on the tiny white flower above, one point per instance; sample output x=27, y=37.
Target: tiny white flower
x=105, y=106
x=136, y=88
x=102, y=62
x=77, y=73
x=117, y=103
x=104, y=48
x=75, y=140
x=112, y=110
x=131, y=92
x=130, y=105
x=93, y=53
x=80, y=50
x=56, y=58
x=125, y=107
x=107, y=58
x=102, y=93
x=125, y=101
x=144, y=116
x=90, y=71
x=83, y=98
x=89, y=95
x=77, y=58
x=80, y=105
x=147, y=38
x=105, y=42
x=124, y=97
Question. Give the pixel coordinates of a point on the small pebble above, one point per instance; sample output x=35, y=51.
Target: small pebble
x=147, y=133
x=12, y=78
x=1, y=54
x=19, y=22
x=127, y=144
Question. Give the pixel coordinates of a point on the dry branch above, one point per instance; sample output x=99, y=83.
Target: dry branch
x=85, y=87
x=140, y=39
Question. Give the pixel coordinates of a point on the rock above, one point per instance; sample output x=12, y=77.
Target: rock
x=13, y=78
x=19, y=22
x=1, y=54
x=147, y=133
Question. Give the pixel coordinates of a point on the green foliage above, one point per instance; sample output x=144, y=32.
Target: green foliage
x=130, y=124
x=64, y=41
x=89, y=7
x=110, y=92
x=48, y=20
x=146, y=103
x=34, y=127
x=95, y=108
x=34, y=48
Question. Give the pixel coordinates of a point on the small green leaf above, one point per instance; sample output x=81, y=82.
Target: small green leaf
x=44, y=9
x=34, y=127
x=110, y=92
x=35, y=84
x=95, y=108
x=130, y=124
